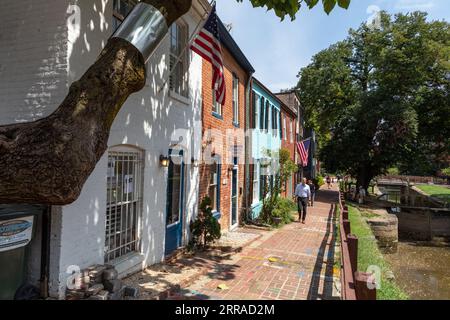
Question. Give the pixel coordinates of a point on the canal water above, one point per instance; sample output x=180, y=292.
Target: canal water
x=423, y=272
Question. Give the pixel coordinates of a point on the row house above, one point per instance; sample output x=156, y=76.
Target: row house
x=136, y=206
x=223, y=146
x=288, y=141
x=169, y=147
x=292, y=101
x=264, y=144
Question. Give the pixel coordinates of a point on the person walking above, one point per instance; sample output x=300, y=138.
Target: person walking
x=328, y=179
x=303, y=194
x=312, y=188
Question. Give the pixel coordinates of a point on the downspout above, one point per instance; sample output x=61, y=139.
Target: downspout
x=247, y=146
x=45, y=252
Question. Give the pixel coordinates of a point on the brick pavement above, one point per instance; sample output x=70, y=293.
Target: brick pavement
x=301, y=264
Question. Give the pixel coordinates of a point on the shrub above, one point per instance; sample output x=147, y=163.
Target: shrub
x=318, y=182
x=283, y=210
x=205, y=229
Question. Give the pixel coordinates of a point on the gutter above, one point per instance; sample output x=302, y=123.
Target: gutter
x=247, y=146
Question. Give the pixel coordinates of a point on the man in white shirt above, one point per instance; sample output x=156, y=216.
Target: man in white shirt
x=303, y=194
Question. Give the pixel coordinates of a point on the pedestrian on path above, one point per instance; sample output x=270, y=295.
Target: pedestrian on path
x=303, y=194
x=328, y=179
x=312, y=188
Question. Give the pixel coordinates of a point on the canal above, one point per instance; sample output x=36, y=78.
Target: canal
x=422, y=271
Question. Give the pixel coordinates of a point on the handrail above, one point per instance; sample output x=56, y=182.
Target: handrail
x=347, y=276
x=354, y=284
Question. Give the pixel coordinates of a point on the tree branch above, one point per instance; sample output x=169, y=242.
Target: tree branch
x=49, y=160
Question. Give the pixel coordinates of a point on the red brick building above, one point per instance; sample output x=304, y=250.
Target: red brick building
x=292, y=131
x=223, y=147
x=288, y=139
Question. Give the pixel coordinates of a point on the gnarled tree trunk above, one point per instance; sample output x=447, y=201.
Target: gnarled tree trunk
x=49, y=160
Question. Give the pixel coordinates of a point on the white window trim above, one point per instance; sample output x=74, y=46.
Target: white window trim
x=258, y=173
x=172, y=93
x=235, y=100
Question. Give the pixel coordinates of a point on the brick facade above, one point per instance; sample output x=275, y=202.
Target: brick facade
x=217, y=141
x=288, y=125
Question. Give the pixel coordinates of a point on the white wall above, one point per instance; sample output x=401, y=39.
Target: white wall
x=33, y=65
x=148, y=120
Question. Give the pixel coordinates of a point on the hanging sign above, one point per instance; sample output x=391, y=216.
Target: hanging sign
x=15, y=233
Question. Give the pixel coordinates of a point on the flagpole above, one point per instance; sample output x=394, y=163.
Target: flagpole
x=192, y=38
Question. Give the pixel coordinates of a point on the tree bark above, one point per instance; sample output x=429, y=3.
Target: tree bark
x=49, y=160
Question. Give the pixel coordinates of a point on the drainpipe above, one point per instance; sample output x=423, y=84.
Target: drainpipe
x=45, y=252
x=247, y=146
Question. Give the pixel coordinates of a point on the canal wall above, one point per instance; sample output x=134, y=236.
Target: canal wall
x=423, y=224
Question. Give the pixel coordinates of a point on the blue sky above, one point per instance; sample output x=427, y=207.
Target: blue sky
x=277, y=50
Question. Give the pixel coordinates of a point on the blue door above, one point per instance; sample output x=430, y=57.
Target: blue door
x=174, y=207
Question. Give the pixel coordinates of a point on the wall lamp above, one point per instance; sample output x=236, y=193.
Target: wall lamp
x=164, y=161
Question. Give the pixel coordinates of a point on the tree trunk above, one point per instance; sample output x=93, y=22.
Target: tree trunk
x=363, y=178
x=49, y=160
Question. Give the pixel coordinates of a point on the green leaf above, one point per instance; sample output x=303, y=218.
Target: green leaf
x=328, y=5
x=344, y=3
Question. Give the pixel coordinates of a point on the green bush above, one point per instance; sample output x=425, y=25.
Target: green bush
x=283, y=210
x=205, y=229
x=318, y=182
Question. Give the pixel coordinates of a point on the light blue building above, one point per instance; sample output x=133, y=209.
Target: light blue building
x=265, y=138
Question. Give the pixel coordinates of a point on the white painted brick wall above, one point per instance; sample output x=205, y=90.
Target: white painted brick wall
x=44, y=48
x=32, y=58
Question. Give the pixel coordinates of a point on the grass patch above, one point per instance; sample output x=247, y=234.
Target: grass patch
x=439, y=192
x=370, y=255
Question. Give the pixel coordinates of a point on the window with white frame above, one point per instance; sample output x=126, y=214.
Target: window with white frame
x=178, y=59
x=235, y=99
x=124, y=202
x=214, y=183
x=255, y=181
x=291, y=134
x=121, y=8
x=217, y=107
x=284, y=128
x=255, y=100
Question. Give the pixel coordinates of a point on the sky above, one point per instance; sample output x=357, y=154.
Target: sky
x=278, y=50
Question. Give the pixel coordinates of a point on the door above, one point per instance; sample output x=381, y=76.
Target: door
x=175, y=199
x=234, y=194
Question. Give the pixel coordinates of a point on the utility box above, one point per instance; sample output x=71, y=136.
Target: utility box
x=17, y=228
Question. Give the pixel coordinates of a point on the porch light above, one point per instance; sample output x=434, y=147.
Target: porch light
x=164, y=161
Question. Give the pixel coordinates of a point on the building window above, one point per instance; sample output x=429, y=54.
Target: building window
x=291, y=135
x=124, y=202
x=235, y=99
x=217, y=107
x=266, y=119
x=214, y=185
x=255, y=110
x=261, y=115
x=178, y=81
x=256, y=181
x=121, y=8
x=280, y=125
x=285, y=128
x=175, y=187
x=262, y=185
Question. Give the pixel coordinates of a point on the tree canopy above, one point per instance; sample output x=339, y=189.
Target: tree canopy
x=290, y=8
x=381, y=98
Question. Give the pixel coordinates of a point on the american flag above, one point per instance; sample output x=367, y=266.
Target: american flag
x=207, y=45
x=303, y=150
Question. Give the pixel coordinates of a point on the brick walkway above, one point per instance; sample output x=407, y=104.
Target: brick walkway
x=295, y=262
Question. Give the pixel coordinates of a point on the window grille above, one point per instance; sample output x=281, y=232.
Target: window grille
x=124, y=203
